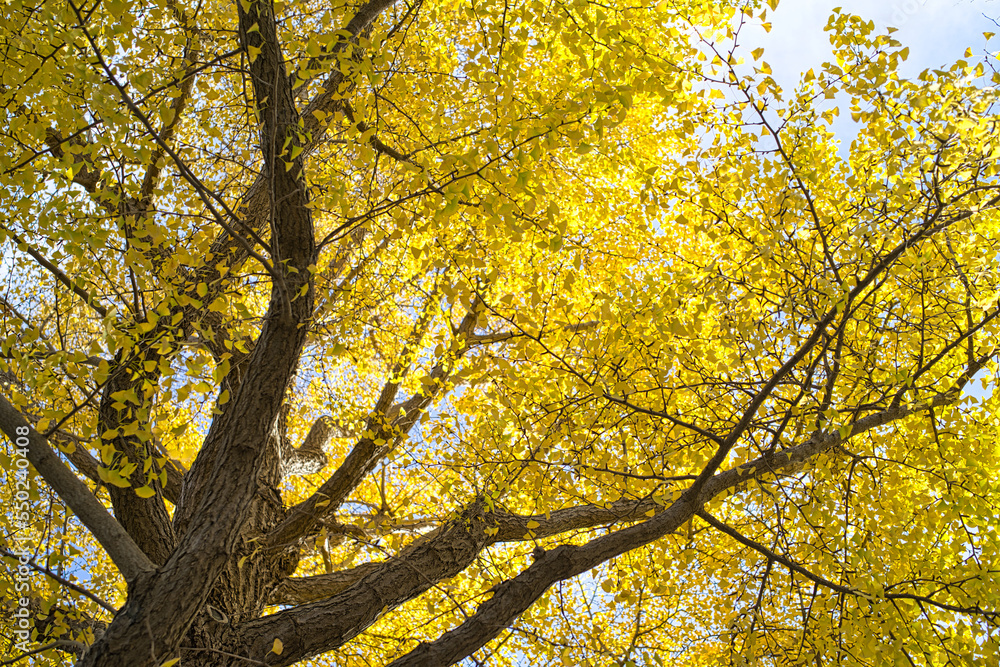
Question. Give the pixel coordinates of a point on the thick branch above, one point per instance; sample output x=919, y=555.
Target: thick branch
x=370, y=450
x=309, y=458
x=313, y=628
x=239, y=458
x=510, y=528
x=514, y=527
x=515, y=596
x=126, y=555
x=299, y=590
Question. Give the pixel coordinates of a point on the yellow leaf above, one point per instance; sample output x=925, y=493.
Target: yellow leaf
x=277, y=647
x=167, y=114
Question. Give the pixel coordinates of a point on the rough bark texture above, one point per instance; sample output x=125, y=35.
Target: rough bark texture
x=145, y=519
x=219, y=514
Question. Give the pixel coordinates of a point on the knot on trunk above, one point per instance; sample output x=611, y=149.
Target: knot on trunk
x=309, y=457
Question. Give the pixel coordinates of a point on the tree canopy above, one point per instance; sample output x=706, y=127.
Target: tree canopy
x=415, y=332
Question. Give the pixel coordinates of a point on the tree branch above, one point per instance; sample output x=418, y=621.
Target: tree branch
x=386, y=433
x=126, y=555
x=308, y=458
x=515, y=596
x=87, y=297
x=300, y=590
x=237, y=466
x=61, y=645
x=822, y=581
x=63, y=581
x=509, y=528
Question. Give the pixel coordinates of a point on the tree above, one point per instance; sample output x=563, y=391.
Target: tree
x=407, y=332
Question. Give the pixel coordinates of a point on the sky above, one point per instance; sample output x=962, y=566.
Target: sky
x=937, y=31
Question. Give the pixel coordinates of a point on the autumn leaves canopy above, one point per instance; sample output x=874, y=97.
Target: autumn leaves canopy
x=402, y=332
